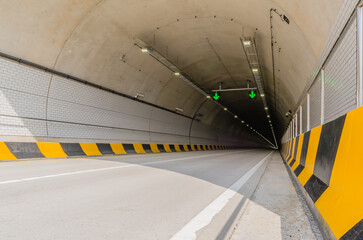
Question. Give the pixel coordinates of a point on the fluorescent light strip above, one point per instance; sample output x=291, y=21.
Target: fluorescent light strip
x=255, y=69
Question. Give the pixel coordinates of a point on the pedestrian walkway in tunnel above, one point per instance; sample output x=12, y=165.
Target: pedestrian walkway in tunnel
x=235, y=194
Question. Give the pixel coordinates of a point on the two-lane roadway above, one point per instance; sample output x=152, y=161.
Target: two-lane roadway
x=150, y=196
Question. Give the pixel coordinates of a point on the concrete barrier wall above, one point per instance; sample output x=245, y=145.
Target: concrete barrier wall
x=328, y=162
x=42, y=107
x=17, y=150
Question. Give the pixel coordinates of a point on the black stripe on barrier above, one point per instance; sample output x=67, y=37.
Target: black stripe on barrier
x=288, y=150
x=147, y=148
x=172, y=147
x=161, y=148
x=72, y=149
x=327, y=149
x=355, y=233
x=298, y=170
x=295, y=152
x=304, y=151
x=181, y=147
x=315, y=187
x=129, y=148
x=291, y=148
x=24, y=150
x=189, y=147
x=105, y=148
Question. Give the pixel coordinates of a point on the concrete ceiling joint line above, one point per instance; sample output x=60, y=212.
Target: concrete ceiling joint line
x=220, y=60
x=147, y=49
x=250, y=50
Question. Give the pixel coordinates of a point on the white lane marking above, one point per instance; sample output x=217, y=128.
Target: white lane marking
x=189, y=231
x=108, y=168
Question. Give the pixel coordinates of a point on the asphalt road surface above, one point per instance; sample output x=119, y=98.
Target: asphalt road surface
x=185, y=195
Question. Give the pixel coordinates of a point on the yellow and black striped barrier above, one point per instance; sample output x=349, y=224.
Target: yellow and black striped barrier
x=23, y=150
x=328, y=162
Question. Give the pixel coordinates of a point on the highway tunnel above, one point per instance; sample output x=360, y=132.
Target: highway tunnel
x=239, y=95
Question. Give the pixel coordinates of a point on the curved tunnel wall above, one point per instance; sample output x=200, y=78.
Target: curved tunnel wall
x=40, y=106
x=86, y=38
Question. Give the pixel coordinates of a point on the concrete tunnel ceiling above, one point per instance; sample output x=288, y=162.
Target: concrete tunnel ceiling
x=86, y=38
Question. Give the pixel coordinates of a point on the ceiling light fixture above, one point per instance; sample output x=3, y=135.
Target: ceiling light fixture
x=139, y=95
x=235, y=116
x=247, y=43
x=252, y=57
x=177, y=74
x=225, y=109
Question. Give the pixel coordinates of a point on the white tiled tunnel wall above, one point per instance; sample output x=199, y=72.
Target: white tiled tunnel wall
x=315, y=103
x=79, y=111
x=23, y=92
x=304, y=116
x=340, y=84
x=340, y=68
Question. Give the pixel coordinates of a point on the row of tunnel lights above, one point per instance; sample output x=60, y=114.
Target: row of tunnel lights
x=247, y=43
x=146, y=50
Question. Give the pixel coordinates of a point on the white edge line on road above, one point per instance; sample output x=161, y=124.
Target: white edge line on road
x=108, y=168
x=189, y=231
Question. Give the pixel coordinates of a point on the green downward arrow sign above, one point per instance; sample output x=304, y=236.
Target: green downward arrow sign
x=252, y=94
x=216, y=96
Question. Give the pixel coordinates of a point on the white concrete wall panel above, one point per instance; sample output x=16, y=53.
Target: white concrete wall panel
x=15, y=103
x=66, y=130
x=304, y=116
x=23, y=78
x=166, y=122
x=38, y=104
x=76, y=113
x=23, y=93
x=17, y=126
x=72, y=91
x=341, y=75
x=315, y=103
x=168, y=138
